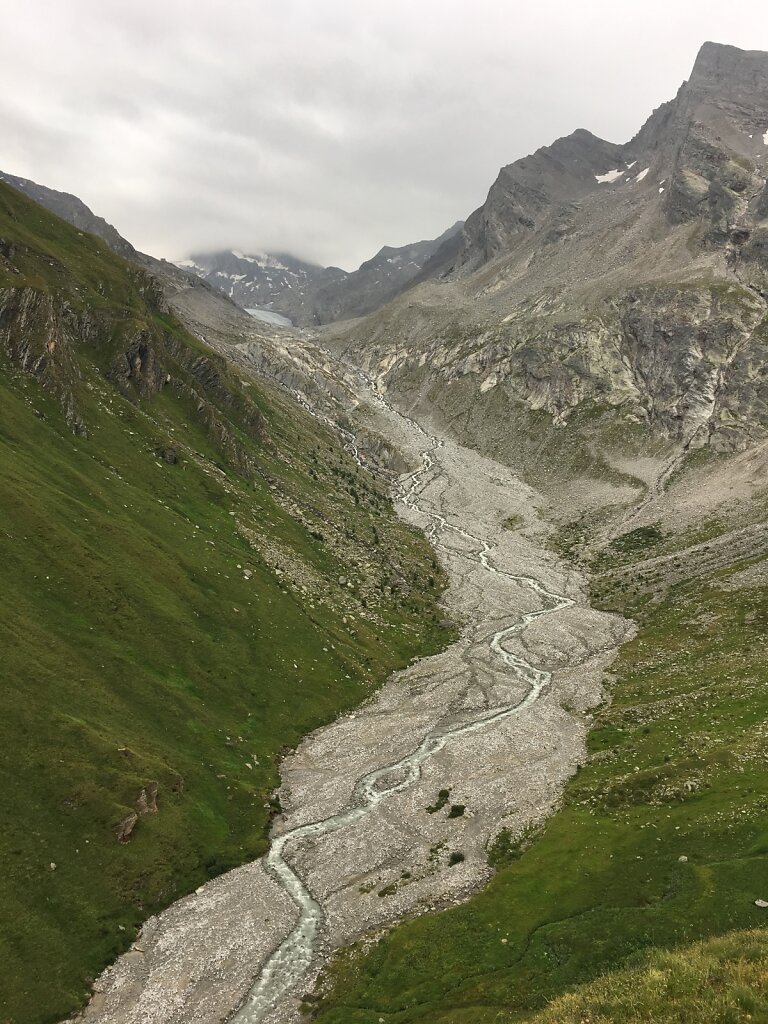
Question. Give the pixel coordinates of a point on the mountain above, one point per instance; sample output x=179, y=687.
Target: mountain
x=701, y=150
x=602, y=294
x=196, y=575
x=274, y=281
x=304, y=293
x=308, y=294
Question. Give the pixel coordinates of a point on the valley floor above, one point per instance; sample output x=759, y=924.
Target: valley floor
x=425, y=844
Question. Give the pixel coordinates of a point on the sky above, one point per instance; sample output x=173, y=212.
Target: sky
x=329, y=128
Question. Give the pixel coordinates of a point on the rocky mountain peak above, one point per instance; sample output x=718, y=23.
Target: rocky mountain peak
x=725, y=69
x=715, y=142
x=527, y=191
x=705, y=151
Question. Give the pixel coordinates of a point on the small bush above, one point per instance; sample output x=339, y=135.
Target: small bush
x=439, y=804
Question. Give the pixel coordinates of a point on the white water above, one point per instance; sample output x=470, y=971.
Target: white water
x=293, y=958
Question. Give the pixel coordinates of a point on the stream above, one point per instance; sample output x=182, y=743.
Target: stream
x=285, y=968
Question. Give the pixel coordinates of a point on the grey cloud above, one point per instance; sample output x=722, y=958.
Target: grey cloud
x=324, y=129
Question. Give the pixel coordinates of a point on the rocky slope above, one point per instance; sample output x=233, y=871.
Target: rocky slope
x=312, y=295
x=603, y=297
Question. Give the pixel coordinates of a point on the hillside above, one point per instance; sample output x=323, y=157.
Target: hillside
x=196, y=575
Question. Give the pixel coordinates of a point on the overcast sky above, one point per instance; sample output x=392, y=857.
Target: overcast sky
x=325, y=128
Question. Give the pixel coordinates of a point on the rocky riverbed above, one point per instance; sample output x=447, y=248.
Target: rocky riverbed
x=500, y=718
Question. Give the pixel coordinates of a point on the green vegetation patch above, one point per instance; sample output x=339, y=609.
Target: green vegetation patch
x=722, y=980
x=442, y=799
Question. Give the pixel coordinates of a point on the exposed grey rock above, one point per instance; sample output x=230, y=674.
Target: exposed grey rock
x=126, y=827
x=147, y=800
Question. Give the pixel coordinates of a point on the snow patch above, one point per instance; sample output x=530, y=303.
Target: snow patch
x=765, y=139
x=642, y=174
x=610, y=175
x=630, y=166
x=191, y=265
x=262, y=260
x=661, y=190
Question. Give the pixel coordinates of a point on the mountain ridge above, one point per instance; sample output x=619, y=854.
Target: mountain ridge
x=569, y=168
x=626, y=283
x=308, y=294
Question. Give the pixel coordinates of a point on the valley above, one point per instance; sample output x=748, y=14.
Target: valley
x=359, y=843
x=407, y=665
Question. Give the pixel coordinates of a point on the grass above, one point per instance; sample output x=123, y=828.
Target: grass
x=723, y=980
x=171, y=622
x=661, y=843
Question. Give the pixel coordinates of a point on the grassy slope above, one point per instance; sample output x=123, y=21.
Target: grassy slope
x=678, y=769
x=723, y=980
x=134, y=648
